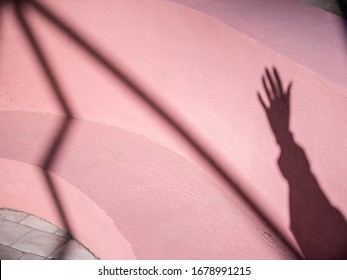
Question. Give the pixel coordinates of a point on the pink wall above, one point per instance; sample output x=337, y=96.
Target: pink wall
x=156, y=195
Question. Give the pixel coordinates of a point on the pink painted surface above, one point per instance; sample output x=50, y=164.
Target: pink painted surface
x=157, y=213
x=23, y=187
x=203, y=65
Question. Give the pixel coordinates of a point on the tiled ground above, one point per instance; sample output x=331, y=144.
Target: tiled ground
x=26, y=237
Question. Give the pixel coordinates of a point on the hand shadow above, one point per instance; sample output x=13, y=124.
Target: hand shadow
x=319, y=228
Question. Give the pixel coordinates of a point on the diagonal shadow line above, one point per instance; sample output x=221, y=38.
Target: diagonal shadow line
x=48, y=160
x=165, y=115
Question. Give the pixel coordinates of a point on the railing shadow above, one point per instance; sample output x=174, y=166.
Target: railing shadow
x=319, y=228
x=117, y=73
x=49, y=159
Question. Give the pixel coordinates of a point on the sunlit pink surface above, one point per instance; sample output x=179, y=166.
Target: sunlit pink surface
x=149, y=194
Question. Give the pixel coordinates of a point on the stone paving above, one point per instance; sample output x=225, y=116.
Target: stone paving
x=26, y=237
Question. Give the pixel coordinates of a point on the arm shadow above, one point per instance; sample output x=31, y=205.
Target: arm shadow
x=319, y=228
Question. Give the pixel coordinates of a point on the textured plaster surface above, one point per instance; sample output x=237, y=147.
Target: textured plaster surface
x=164, y=213
x=201, y=61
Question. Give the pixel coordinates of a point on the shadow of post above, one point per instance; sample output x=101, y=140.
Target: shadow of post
x=319, y=228
x=49, y=159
